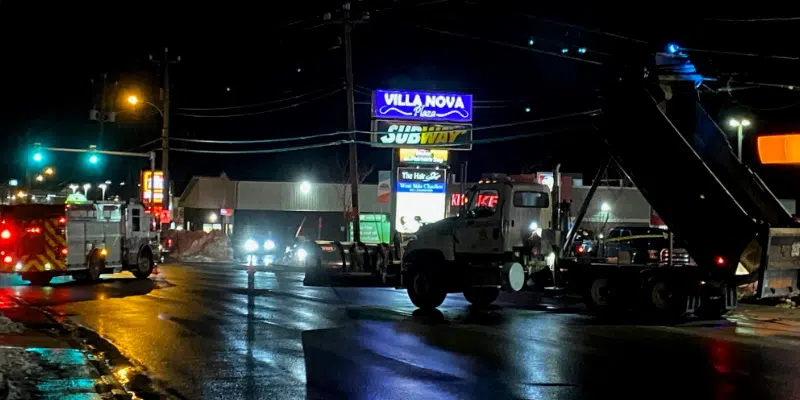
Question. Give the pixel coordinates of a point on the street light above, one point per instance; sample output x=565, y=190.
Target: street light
x=212, y=217
x=305, y=187
x=39, y=178
x=605, y=207
x=133, y=99
x=86, y=188
x=739, y=124
x=49, y=171
x=74, y=188
x=102, y=187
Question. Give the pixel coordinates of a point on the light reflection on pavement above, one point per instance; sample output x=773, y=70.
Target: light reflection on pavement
x=207, y=334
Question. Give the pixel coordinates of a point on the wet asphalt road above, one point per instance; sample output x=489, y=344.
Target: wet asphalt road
x=203, y=332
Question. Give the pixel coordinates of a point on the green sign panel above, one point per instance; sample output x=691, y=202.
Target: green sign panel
x=374, y=228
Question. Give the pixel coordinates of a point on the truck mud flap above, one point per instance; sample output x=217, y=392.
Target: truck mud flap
x=341, y=264
x=780, y=264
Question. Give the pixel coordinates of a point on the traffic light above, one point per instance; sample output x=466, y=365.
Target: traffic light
x=92, y=157
x=37, y=155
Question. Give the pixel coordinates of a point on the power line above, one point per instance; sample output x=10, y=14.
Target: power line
x=285, y=139
x=510, y=45
x=264, y=111
x=766, y=19
x=584, y=28
x=285, y=99
x=144, y=144
x=263, y=151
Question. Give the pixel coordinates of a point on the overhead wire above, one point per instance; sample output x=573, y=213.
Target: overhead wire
x=509, y=45
x=258, y=141
x=300, y=103
x=765, y=19
x=265, y=103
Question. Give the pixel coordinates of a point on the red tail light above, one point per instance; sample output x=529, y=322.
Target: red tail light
x=8, y=259
x=580, y=249
x=169, y=242
x=720, y=261
x=5, y=234
x=64, y=251
x=62, y=220
x=33, y=229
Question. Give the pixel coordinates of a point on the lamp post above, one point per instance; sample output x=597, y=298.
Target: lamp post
x=133, y=100
x=739, y=124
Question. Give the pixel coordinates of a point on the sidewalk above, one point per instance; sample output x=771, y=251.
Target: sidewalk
x=37, y=361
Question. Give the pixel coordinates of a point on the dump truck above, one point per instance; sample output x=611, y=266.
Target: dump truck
x=655, y=130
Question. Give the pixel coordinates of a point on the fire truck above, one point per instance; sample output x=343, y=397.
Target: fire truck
x=40, y=242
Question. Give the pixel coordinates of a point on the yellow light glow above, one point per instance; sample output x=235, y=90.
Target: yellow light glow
x=103, y=252
x=39, y=178
x=49, y=171
x=133, y=99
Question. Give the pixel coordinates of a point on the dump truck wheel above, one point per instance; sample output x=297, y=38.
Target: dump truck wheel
x=481, y=297
x=425, y=288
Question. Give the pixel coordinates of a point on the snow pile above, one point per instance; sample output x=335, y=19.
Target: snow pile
x=8, y=326
x=200, y=246
x=17, y=370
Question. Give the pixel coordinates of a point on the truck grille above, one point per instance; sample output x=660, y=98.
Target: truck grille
x=679, y=257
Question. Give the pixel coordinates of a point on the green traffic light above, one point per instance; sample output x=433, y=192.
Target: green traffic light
x=38, y=157
x=93, y=159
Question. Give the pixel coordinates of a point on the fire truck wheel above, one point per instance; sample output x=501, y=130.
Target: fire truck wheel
x=425, y=288
x=96, y=266
x=481, y=297
x=144, y=266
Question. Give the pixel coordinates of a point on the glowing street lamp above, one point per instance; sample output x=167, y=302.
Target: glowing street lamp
x=102, y=187
x=739, y=124
x=133, y=100
x=74, y=188
x=39, y=178
x=86, y=188
x=49, y=171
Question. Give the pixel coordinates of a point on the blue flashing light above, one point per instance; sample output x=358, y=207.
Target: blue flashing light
x=673, y=48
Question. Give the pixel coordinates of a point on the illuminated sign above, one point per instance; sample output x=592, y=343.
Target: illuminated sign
x=422, y=134
x=421, y=180
x=226, y=212
x=485, y=200
x=779, y=149
x=430, y=106
x=423, y=156
x=152, y=187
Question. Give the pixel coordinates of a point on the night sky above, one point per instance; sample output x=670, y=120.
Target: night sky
x=236, y=54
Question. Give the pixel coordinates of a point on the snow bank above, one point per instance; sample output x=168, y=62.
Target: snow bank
x=17, y=367
x=8, y=326
x=199, y=246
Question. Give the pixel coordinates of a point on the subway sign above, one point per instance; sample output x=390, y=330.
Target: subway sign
x=422, y=135
x=416, y=105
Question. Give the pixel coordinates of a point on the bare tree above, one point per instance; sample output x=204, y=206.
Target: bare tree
x=343, y=188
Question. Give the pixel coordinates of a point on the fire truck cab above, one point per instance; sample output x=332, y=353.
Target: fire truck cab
x=40, y=241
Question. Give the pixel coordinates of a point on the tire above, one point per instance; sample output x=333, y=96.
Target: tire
x=38, y=280
x=425, y=289
x=144, y=265
x=481, y=297
x=95, y=268
x=598, y=294
x=665, y=299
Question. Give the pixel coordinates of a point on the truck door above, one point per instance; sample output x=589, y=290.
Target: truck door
x=479, y=228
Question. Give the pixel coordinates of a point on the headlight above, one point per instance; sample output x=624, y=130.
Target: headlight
x=251, y=245
x=534, y=227
x=269, y=245
x=301, y=254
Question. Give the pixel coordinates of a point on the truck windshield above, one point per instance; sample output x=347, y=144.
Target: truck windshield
x=531, y=199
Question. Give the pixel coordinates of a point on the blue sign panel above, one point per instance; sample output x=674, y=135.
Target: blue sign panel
x=421, y=180
x=428, y=106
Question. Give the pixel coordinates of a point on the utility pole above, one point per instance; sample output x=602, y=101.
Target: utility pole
x=351, y=123
x=165, y=132
x=102, y=118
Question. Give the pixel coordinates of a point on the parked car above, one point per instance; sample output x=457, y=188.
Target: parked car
x=641, y=245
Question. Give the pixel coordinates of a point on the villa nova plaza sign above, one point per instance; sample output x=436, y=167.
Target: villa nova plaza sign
x=405, y=118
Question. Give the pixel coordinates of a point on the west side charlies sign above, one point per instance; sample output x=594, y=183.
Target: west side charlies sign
x=405, y=118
